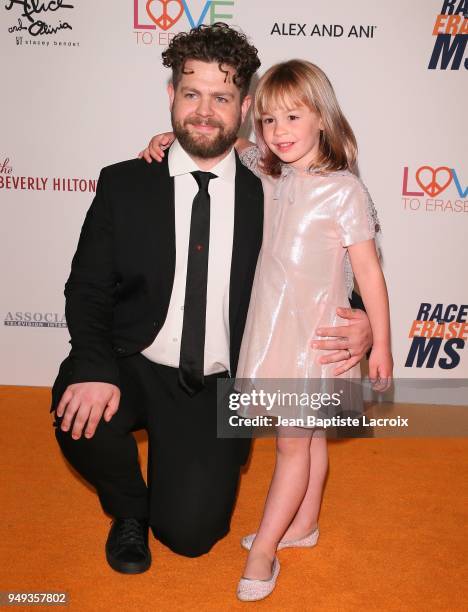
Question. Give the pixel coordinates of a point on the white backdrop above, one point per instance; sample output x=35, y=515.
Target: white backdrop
x=94, y=91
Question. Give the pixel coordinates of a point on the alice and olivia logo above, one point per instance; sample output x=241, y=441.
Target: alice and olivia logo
x=451, y=32
x=152, y=19
x=39, y=20
x=441, y=185
x=438, y=334
x=34, y=319
x=41, y=183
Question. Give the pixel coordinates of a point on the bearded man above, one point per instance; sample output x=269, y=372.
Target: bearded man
x=156, y=304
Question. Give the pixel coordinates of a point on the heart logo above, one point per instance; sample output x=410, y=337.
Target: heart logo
x=168, y=16
x=427, y=179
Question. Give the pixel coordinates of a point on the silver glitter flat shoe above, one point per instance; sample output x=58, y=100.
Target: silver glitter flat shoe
x=253, y=590
x=307, y=542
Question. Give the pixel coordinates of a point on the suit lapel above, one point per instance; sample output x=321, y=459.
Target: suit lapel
x=161, y=207
x=244, y=240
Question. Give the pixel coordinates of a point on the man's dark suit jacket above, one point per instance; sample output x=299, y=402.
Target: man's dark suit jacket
x=118, y=292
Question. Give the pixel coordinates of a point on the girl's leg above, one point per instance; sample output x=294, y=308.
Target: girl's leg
x=306, y=518
x=287, y=490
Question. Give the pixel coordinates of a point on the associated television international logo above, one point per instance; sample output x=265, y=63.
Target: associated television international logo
x=153, y=19
x=438, y=335
x=434, y=189
x=34, y=319
x=451, y=32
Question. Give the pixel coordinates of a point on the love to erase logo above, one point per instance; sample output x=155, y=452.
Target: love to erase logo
x=442, y=185
x=451, y=32
x=439, y=332
x=154, y=20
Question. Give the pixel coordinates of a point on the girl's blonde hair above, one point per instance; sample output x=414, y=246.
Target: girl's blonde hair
x=298, y=82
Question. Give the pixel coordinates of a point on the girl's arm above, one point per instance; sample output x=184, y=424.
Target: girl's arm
x=368, y=273
x=159, y=143
x=243, y=143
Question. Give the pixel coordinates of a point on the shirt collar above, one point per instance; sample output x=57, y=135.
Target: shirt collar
x=181, y=163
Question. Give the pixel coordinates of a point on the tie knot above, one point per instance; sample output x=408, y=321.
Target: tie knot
x=203, y=178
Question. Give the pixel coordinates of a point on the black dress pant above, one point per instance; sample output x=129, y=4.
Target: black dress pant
x=192, y=474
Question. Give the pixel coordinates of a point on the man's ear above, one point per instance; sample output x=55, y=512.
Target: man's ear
x=171, y=94
x=246, y=102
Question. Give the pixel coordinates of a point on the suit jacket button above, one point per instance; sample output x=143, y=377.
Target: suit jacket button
x=119, y=350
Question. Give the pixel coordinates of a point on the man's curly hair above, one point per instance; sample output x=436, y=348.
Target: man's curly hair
x=214, y=43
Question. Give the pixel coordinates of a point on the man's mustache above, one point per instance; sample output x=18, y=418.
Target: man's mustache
x=200, y=121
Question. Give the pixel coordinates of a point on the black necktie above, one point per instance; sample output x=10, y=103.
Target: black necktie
x=192, y=345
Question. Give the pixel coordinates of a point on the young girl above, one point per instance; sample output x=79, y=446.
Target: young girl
x=317, y=214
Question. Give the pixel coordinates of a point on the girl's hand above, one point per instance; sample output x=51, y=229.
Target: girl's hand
x=158, y=144
x=380, y=368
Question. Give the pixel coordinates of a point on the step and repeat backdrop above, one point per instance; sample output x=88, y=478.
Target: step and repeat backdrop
x=83, y=87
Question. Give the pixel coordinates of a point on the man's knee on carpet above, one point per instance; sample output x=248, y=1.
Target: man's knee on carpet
x=187, y=540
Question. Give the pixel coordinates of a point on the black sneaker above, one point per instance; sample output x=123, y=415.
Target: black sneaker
x=127, y=546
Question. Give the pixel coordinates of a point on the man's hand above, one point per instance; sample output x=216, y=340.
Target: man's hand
x=350, y=342
x=87, y=402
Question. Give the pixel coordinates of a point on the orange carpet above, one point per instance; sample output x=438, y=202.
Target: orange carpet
x=393, y=529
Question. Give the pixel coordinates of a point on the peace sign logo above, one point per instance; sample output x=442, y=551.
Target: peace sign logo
x=168, y=17
x=427, y=179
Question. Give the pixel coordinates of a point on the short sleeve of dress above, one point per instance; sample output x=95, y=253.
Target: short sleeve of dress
x=250, y=157
x=356, y=216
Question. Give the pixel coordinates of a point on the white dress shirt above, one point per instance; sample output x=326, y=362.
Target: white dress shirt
x=166, y=347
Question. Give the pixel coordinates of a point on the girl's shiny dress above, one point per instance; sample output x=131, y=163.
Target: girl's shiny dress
x=302, y=276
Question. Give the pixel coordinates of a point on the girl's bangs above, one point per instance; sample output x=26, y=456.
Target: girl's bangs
x=280, y=93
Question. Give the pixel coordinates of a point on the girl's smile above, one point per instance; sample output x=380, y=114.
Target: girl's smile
x=293, y=134
x=284, y=146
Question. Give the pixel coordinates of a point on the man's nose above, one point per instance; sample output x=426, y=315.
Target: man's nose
x=204, y=107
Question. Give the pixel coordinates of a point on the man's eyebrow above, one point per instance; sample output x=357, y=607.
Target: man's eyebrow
x=215, y=94
x=223, y=94
x=185, y=88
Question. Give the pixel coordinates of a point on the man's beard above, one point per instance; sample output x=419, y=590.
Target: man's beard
x=200, y=145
